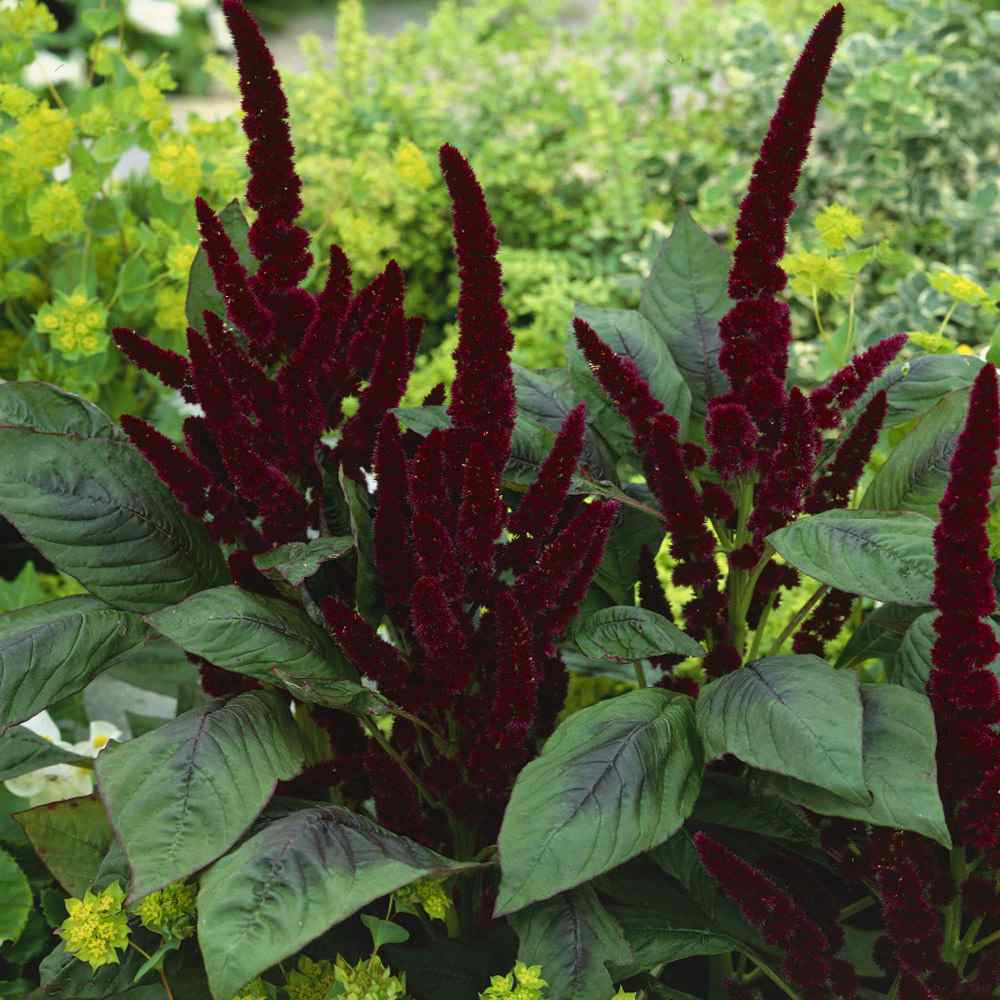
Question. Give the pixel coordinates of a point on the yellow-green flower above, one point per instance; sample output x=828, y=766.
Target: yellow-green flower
x=368, y=980
x=959, y=287
x=75, y=324
x=427, y=894
x=15, y=101
x=815, y=271
x=311, y=980
x=170, y=911
x=96, y=926
x=524, y=983
x=26, y=19
x=56, y=212
x=411, y=165
x=584, y=691
x=176, y=164
x=41, y=139
x=936, y=343
x=256, y=989
x=836, y=225
x=180, y=257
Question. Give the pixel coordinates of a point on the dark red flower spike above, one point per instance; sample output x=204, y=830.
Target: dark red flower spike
x=168, y=366
x=482, y=395
x=369, y=653
x=393, y=553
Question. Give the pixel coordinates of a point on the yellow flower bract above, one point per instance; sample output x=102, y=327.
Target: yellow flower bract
x=170, y=911
x=96, y=926
x=836, y=225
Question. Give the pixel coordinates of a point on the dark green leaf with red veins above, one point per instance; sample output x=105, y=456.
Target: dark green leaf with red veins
x=182, y=795
x=22, y=751
x=612, y=781
x=632, y=531
x=295, y=879
x=574, y=939
x=791, y=715
x=261, y=637
x=900, y=770
x=684, y=298
x=50, y=651
x=913, y=663
x=885, y=555
x=297, y=561
x=916, y=472
x=629, y=335
x=201, y=292
x=92, y=505
x=71, y=837
x=368, y=598
x=913, y=387
x=627, y=633
x=879, y=636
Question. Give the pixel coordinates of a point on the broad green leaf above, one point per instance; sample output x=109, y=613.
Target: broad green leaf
x=81, y=494
x=913, y=664
x=183, y=794
x=157, y=665
x=294, y=879
x=574, y=939
x=612, y=781
x=916, y=473
x=202, y=293
x=914, y=387
x=369, y=598
x=50, y=651
x=623, y=634
x=22, y=751
x=15, y=899
x=628, y=334
x=899, y=767
x=71, y=837
x=879, y=636
x=297, y=561
x=101, y=21
x=884, y=555
x=66, y=978
x=384, y=931
x=791, y=715
x=423, y=419
x=262, y=637
x=684, y=298
x=631, y=531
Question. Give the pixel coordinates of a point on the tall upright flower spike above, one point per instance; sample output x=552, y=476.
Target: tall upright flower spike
x=482, y=395
x=168, y=366
x=535, y=518
x=481, y=513
x=964, y=693
x=756, y=332
x=393, y=553
x=848, y=385
x=251, y=317
x=441, y=636
x=275, y=240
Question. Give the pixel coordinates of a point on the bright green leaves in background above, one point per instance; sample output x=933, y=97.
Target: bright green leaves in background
x=612, y=781
x=181, y=796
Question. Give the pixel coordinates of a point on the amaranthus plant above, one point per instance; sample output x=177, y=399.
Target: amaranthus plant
x=385, y=603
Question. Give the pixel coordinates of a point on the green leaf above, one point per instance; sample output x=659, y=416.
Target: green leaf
x=899, y=768
x=624, y=634
x=101, y=21
x=183, y=794
x=15, y=899
x=156, y=959
x=879, y=636
x=384, y=931
x=261, y=637
x=684, y=298
x=612, y=781
x=631, y=531
x=530, y=444
x=202, y=293
x=913, y=664
x=71, y=837
x=35, y=940
x=297, y=561
x=916, y=473
x=50, y=651
x=53, y=904
x=884, y=555
x=22, y=751
x=573, y=938
x=914, y=387
x=66, y=978
x=628, y=334
x=294, y=879
x=80, y=493
x=791, y=715
x=423, y=419
x=369, y=594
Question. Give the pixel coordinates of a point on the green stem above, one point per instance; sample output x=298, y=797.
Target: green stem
x=953, y=912
x=761, y=626
x=849, y=345
x=772, y=975
x=894, y=989
x=985, y=943
x=965, y=944
x=856, y=907
x=947, y=317
x=800, y=617
x=640, y=673
x=819, y=321
x=376, y=735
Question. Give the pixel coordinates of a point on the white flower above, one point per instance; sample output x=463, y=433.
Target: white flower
x=61, y=781
x=48, y=68
x=155, y=17
x=220, y=30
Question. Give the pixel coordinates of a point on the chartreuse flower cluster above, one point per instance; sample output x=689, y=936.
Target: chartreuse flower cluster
x=524, y=982
x=97, y=926
x=427, y=894
x=170, y=911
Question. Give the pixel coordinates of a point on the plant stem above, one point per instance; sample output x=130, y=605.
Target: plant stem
x=772, y=975
x=800, y=616
x=376, y=735
x=966, y=943
x=819, y=321
x=985, y=943
x=856, y=907
x=894, y=989
x=953, y=912
x=947, y=317
x=758, y=634
x=640, y=673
